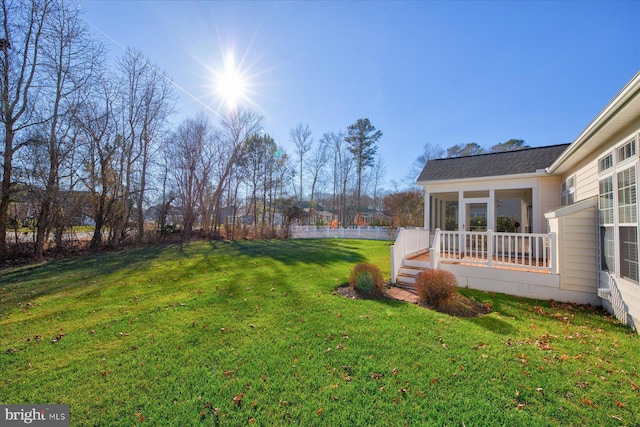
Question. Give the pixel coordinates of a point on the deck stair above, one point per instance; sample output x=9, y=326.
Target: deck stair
x=406, y=278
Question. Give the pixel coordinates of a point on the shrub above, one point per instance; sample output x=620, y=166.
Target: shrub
x=436, y=288
x=367, y=278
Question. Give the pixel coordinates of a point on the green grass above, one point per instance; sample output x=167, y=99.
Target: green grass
x=171, y=335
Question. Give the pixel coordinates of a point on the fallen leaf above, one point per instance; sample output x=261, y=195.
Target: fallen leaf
x=586, y=402
x=238, y=399
x=620, y=404
x=634, y=385
x=319, y=412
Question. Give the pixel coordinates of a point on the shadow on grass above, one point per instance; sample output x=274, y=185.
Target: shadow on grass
x=493, y=324
x=25, y=283
x=291, y=252
x=20, y=284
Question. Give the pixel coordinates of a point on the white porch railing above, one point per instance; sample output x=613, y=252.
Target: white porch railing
x=530, y=251
x=527, y=251
x=409, y=241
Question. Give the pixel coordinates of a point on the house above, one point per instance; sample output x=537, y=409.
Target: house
x=573, y=211
x=371, y=217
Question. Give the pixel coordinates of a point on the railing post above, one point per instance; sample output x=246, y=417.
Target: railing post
x=393, y=266
x=434, y=251
x=490, y=248
x=554, y=253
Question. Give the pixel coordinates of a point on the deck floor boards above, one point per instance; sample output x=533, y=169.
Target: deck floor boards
x=468, y=261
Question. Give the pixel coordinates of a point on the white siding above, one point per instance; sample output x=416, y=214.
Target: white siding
x=587, y=181
x=623, y=298
x=548, y=199
x=579, y=251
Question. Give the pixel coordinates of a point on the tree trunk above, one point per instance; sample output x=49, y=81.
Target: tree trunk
x=5, y=189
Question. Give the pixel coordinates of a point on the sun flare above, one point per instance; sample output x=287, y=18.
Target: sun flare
x=231, y=85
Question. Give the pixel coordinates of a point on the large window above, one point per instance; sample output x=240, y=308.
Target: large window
x=618, y=209
x=607, y=239
x=628, y=219
x=629, y=253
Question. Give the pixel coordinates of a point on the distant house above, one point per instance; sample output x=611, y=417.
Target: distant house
x=370, y=217
x=576, y=207
x=76, y=208
x=313, y=215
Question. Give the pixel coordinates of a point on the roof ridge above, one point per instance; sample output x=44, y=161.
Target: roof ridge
x=504, y=152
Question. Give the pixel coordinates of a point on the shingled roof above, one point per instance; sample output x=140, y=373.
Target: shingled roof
x=528, y=160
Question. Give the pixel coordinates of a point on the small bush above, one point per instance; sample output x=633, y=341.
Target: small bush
x=436, y=288
x=367, y=278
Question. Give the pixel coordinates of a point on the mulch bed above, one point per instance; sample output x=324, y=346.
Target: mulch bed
x=348, y=292
x=461, y=306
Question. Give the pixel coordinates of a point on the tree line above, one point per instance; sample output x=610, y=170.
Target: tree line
x=84, y=138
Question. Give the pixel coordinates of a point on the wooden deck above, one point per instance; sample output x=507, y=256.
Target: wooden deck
x=468, y=261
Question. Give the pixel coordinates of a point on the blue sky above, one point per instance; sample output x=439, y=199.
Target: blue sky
x=442, y=72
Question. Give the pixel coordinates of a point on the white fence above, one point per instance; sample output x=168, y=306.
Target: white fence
x=366, y=233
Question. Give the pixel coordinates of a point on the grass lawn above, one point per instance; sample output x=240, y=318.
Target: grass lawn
x=252, y=333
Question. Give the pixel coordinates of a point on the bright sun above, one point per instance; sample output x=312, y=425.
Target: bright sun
x=231, y=85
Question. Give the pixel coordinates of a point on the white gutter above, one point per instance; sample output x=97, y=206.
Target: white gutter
x=536, y=174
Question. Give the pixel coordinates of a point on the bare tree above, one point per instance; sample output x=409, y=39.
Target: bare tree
x=342, y=166
x=69, y=57
x=95, y=119
x=23, y=22
x=191, y=163
x=235, y=128
x=377, y=175
x=301, y=138
x=147, y=98
x=317, y=163
x=429, y=152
